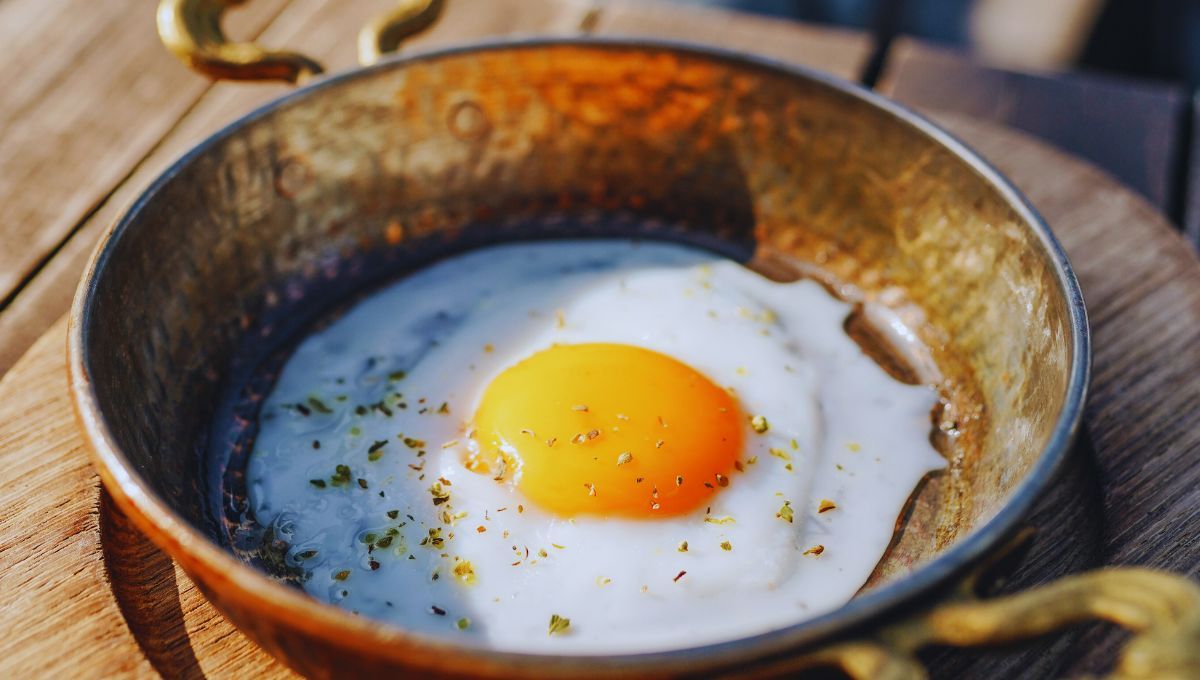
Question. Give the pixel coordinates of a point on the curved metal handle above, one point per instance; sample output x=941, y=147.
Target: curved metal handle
x=191, y=29
x=1162, y=610
x=383, y=34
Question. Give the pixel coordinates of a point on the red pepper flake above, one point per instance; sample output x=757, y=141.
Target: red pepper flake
x=678, y=576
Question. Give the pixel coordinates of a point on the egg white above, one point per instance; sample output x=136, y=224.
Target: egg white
x=850, y=433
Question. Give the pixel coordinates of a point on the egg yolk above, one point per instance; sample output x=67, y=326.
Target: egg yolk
x=608, y=429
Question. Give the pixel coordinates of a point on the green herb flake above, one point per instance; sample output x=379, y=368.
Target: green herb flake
x=434, y=539
x=439, y=493
x=319, y=405
x=342, y=575
x=463, y=623
x=393, y=514
x=362, y=483
x=444, y=409
x=341, y=476
x=319, y=483
x=396, y=376
x=726, y=546
x=375, y=451
x=786, y=513
x=559, y=625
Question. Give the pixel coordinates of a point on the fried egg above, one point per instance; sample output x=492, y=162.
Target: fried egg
x=588, y=447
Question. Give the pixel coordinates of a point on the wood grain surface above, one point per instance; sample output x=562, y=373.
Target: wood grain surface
x=87, y=94
x=82, y=594
x=80, y=589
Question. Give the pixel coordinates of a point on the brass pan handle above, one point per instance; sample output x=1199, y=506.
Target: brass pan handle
x=191, y=29
x=1160, y=609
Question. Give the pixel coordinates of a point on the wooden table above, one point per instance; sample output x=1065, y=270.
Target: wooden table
x=93, y=108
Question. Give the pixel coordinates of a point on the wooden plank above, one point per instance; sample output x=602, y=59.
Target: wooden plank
x=843, y=53
x=88, y=91
x=1132, y=129
x=54, y=516
x=326, y=31
x=1133, y=499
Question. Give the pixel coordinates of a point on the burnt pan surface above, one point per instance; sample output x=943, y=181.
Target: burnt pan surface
x=302, y=205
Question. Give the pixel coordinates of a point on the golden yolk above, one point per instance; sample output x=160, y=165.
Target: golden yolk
x=608, y=429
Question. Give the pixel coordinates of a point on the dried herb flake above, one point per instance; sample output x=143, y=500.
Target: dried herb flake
x=559, y=625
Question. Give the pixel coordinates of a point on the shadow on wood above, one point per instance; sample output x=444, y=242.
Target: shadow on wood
x=142, y=578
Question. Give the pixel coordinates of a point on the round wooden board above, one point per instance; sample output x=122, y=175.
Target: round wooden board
x=81, y=592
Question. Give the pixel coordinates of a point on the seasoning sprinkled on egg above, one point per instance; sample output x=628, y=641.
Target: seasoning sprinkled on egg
x=573, y=458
